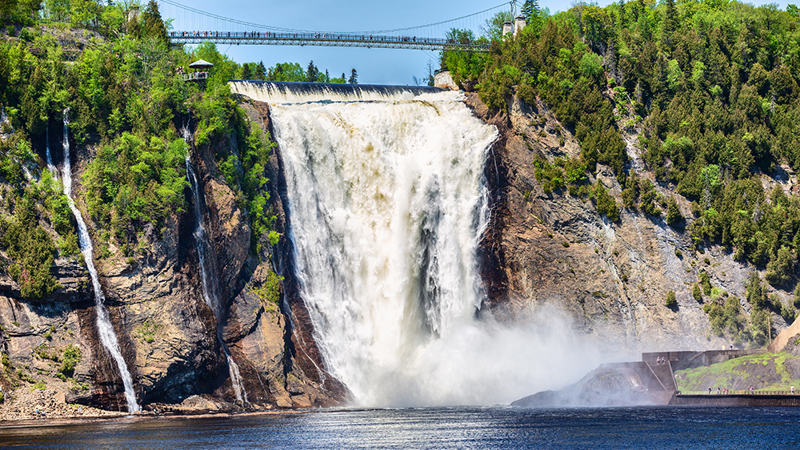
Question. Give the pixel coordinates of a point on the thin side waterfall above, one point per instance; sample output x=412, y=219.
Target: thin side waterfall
x=208, y=279
x=49, y=159
x=104, y=327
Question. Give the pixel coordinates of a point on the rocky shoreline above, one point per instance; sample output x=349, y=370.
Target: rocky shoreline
x=31, y=404
x=34, y=408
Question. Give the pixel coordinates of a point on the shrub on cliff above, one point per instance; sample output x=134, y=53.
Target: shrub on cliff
x=671, y=301
x=674, y=216
x=606, y=205
x=697, y=293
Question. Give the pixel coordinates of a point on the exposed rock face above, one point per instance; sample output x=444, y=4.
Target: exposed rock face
x=612, y=278
x=605, y=386
x=167, y=333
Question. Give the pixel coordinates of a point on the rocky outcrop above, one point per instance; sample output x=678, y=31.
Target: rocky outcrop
x=612, y=278
x=167, y=333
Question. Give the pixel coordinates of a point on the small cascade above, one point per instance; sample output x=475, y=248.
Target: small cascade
x=208, y=278
x=49, y=159
x=104, y=327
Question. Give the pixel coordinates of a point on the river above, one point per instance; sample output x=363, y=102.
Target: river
x=437, y=428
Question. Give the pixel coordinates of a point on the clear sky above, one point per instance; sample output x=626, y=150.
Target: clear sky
x=374, y=66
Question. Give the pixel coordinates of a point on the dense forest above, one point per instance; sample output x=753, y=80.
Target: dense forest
x=110, y=71
x=709, y=92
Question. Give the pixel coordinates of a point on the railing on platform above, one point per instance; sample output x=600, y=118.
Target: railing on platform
x=196, y=76
x=745, y=392
x=324, y=39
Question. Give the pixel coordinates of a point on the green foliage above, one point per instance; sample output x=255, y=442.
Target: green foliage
x=674, y=216
x=796, y=301
x=755, y=291
x=135, y=179
x=671, y=302
x=31, y=249
x=148, y=331
x=780, y=268
x=649, y=198
x=717, y=84
x=697, y=293
x=705, y=282
x=549, y=176
x=606, y=205
x=70, y=359
x=270, y=291
x=760, y=327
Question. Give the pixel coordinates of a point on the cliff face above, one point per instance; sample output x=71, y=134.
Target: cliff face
x=167, y=333
x=612, y=278
x=540, y=249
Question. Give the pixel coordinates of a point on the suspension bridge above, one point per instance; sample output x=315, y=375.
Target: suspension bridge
x=193, y=26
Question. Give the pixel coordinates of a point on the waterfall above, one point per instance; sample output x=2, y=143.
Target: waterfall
x=208, y=277
x=49, y=159
x=290, y=92
x=387, y=205
x=104, y=327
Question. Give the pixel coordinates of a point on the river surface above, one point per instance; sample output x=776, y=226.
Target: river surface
x=438, y=428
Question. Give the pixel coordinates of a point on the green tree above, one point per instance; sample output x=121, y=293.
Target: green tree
x=286, y=72
x=312, y=73
x=151, y=23
x=530, y=9
x=353, y=77
x=760, y=327
x=606, y=205
x=697, y=293
x=705, y=282
x=246, y=74
x=260, y=72
x=674, y=216
x=671, y=301
x=781, y=267
x=756, y=294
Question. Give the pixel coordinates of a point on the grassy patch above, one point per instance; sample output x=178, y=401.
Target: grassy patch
x=726, y=373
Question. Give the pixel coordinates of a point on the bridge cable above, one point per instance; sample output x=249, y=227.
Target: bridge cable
x=295, y=30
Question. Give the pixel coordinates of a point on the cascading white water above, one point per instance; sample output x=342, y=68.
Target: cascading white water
x=387, y=203
x=104, y=327
x=49, y=159
x=207, y=279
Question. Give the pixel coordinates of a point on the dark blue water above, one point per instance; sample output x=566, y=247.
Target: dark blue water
x=439, y=428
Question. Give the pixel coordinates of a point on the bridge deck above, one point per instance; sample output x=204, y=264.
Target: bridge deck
x=323, y=39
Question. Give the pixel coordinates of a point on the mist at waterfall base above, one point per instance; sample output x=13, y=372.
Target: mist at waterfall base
x=387, y=205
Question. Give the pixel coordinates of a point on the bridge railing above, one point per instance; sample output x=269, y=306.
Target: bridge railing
x=744, y=392
x=365, y=40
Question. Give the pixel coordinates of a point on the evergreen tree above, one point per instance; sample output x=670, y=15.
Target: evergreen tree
x=261, y=71
x=246, y=74
x=756, y=294
x=530, y=9
x=312, y=73
x=674, y=216
x=670, y=23
x=353, y=77
x=781, y=267
x=152, y=25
